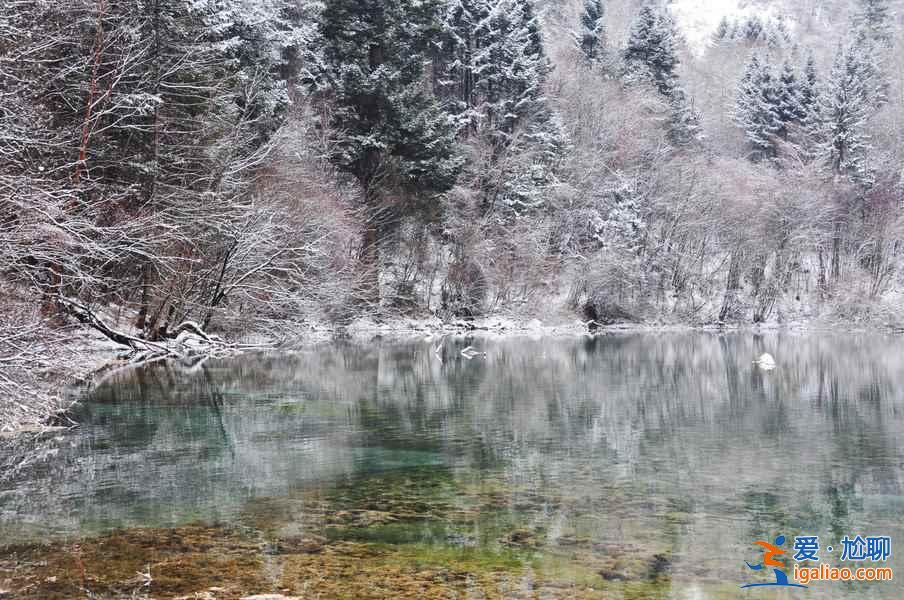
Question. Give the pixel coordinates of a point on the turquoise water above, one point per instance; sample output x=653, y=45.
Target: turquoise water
x=647, y=458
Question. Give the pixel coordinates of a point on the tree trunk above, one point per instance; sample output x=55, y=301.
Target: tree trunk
x=821, y=277
x=50, y=293
x=732, y=285
x=836, y=253
x=141, y=321
x=758, y=277
x=369, y=291
x=88, y=125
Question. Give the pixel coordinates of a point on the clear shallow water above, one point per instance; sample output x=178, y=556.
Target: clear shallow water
x=656, y=459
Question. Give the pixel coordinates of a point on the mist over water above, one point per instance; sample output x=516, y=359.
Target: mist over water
x=673, y=446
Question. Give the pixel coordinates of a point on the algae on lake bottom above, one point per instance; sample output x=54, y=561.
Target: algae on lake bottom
x=420, y=533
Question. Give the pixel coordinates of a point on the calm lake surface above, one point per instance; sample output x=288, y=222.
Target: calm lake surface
x=630, y=466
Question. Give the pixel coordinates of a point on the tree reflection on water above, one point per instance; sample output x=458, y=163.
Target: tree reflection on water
x=672, y=448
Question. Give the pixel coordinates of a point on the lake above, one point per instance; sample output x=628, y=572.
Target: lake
x=618, y=466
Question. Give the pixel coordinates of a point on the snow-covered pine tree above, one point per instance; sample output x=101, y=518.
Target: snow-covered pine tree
x=254, y=54
x=809, y=86
x=865, y=54
x=512, y=67
x=463, y=34
x=386, y=126
x=782, y=36
x=167, y=99
x=874, y=17
x=258, y=41
x=374, y=54
x=756, y=109
x=493, y=56
x=753, y=29
x=775, y=33
x=788, y=97
x=591, y=35
x=624, y=204
x=843, y=116
x=651, y=56
x=650, y=53
x=684, y=120
x=723, y=31
x=520, y=124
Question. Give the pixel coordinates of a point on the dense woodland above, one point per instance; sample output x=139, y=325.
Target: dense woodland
x=253, y=166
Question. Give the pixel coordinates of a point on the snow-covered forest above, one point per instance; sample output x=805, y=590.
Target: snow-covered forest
x=254, y=166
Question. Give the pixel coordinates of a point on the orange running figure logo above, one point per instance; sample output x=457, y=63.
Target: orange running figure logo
x=770, y=551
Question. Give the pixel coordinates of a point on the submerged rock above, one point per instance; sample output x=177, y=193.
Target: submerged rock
x=660, y=565
x=521, y=538
x=613, y=575
x=297, y=545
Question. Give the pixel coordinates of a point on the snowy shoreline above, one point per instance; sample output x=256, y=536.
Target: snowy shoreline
x=513, y=327
x=96, y=356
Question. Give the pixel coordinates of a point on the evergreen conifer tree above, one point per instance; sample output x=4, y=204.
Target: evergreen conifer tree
x=874, y=18
x=782, y=35
x=513, y=67
x=591, y=36
x=520, y=120
x=651, y=56
x=465, y=33
x=494, y=57
x=684, y=120
x=843, y=115
x=723, y=30
x=788, y=97
x=809, y=86
x=373, y=57
x=386, y=125
x=650, y=53
x=198, y=85
x=753, y=29
x=866, y=55
x=756, y=109
x=255, y=45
